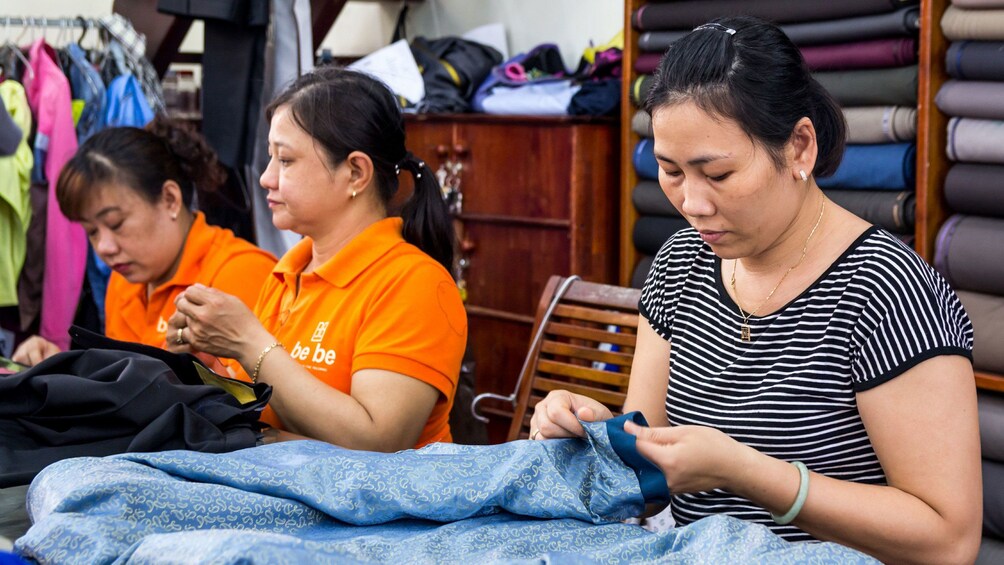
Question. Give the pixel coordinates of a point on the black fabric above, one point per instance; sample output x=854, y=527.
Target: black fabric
x=650, y=232
x=893, y=211
x=993, y=497
x=243, y=12
x=641, y=271
x=29, y=282
x=975, y=60
x=690, y=13
x=10, y=134
x=972, y=188
x=465, y=429
x=99, y=402
x=447, y=91
x=597, y=98
x=649, y=199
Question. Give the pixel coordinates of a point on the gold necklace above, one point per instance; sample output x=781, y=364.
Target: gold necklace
x=744, y=328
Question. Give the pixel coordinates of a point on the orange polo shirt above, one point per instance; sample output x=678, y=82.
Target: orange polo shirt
x=212, y=256
x=380, y=303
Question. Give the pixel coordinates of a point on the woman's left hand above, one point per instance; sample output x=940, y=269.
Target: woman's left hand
x=693, y=458
x=213, y=322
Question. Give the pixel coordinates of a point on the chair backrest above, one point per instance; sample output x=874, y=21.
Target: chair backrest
x=586, y=347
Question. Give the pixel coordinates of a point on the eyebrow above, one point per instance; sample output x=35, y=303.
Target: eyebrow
x=702, y=160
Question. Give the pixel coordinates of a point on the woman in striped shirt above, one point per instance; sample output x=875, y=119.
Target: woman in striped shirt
x=800, y=367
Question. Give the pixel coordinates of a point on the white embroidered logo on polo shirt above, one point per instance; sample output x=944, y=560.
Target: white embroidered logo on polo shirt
x=161, y=325
x=319, y=332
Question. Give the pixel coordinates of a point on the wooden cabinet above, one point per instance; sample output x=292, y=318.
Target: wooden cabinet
x=540, y=197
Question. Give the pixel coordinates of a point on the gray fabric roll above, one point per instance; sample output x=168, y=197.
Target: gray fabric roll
x=978, y=4
x=872, y=87
x=893, y=211
x=970, y=254
x=905, y=21
x=986, y=311
x=978, y=25
x=972, y=99
x=976, y=189
x=641, y=271
x=880, y=124
x=649, y=200
x=976, y=141
x=659, y=41
x=975, y=60
x=991, y=551
x=993, y=497
x=641, y=123
x=991, y=412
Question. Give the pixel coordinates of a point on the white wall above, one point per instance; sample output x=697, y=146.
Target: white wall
x=364, y=27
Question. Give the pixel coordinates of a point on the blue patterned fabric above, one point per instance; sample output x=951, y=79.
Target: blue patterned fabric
x=308, y=502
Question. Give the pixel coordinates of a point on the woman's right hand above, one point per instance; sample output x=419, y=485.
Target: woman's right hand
x=558, y=415
x=34, y=350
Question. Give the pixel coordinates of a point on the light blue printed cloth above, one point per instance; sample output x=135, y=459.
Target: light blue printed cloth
x=558, y=501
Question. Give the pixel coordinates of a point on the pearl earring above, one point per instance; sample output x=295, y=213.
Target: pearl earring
x=353, y=195
x=805, y=177
x=174, y=216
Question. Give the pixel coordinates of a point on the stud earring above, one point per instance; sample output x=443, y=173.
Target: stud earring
x=174, y=216
x=353, y=195
x=805, y=177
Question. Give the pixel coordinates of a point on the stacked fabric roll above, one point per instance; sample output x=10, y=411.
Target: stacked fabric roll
x=970, y=246
x=863, y=51
x=969, y=241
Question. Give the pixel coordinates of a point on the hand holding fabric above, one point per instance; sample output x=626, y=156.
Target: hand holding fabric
x=34, y=350
x=693, y=458
x=214, y=322
x=558, y=415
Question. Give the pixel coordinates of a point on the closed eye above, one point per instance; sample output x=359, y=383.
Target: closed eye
x=720, y=178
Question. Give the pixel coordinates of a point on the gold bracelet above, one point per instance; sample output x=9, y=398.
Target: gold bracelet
x=261, y=357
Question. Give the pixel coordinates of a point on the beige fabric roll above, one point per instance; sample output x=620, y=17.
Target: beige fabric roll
x=880, y=124
x=641, y=123
x=986, y=311
x=980, y=25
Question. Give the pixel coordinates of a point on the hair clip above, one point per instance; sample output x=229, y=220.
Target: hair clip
x=716, y=26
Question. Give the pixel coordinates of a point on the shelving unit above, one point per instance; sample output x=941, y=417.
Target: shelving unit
x=932, y=160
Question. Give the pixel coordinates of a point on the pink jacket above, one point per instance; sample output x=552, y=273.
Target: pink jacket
x=65, y=242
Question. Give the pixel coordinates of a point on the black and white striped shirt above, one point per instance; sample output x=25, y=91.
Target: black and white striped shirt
x=790, y=393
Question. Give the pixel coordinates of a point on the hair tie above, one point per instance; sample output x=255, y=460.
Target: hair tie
x=715, y=26
x=412, y=163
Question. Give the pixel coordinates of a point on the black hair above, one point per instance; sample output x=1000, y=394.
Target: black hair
x=346, y=111
x=142, y=160
x=755, y=76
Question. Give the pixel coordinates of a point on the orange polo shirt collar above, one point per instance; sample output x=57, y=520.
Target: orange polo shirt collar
x=364, y=250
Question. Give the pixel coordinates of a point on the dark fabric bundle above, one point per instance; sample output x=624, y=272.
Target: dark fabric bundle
x=869, y=54
x=975, y=60
x=895, y=86
x=650, y=200
x=993, y=497
x=970, y=253
x=986, y=312
x=647, y=63
x=990, y=404
x=452, y=69
x=893, y=211
x=972, y=99
x=650, y=232
x=883, y=166
x=690, y=13
x=976, y=189
x=905, y=21
x=659, y=41
x=641, y=123
x=641, y=271
x=99, y=402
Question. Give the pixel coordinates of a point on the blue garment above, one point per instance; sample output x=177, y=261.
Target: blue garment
x=883, y=166
x=125, y=103
x=644, y=159
x=86, y=85
x=310, y=502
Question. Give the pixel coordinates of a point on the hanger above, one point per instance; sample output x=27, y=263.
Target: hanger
x=17, y=50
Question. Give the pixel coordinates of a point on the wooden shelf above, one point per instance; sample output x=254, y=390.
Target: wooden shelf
x=989, y=381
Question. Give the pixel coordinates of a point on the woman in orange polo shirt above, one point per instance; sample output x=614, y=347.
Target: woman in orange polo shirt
x=132, y=190
x=361, y=329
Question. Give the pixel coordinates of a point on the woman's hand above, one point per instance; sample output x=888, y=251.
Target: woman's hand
x=34, y=350
x=693, y=458
x=558, y=415
x=214, y=322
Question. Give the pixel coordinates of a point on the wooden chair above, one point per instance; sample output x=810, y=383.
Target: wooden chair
x=584, y=338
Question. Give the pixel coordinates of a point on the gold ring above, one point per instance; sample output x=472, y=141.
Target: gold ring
x=533, y=435
x=180, y=340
